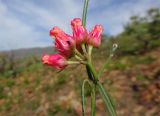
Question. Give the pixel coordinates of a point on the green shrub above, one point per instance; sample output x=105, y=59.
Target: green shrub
x=129, y=45
x=2, y=94
x=154, y=43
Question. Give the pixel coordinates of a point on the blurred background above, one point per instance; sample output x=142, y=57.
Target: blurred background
x=28, y=88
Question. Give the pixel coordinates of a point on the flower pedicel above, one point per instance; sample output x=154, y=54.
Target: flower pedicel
x=66, y=45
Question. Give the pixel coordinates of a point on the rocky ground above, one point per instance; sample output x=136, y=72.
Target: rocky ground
x=132, y=81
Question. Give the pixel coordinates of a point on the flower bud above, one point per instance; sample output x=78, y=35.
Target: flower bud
x=94, y=37
x=57, y=61
x=79, y=32
x=64, y=43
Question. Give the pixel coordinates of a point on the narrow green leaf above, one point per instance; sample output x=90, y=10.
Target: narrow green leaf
x=93, y=100
x=86, y=81
x=108, y=60
x=106, y=99
x=83, y=98
x=85, y=12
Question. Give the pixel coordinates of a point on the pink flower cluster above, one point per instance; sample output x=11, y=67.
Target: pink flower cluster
x=66, y=44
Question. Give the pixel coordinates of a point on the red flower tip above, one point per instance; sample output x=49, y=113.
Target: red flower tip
x=98, y=28
x=79, y=32
x=55, y=31
x=76, y=22
x=64, y=43
x=65, y=46
x=57, y=61
x=95, y=36
x=45, y=59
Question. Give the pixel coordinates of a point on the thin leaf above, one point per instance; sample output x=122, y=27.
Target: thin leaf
x=93, y=100
x=85, y=7
x=108, y=60
x=83, y=96
x=106, y=99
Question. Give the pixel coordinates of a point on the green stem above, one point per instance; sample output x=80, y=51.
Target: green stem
x=84, y=49
x=108, y=60
x=73, y=62
x=78, y=53
x=85, y=7
x=90, y=75
x=89, y=66
x=93, y=100
x=104, y=66
x=85, y=12
x=83, y=95
x=93, y=75
x=93, y=71
x=78, y=58
x=90, y=50
x=83, y=98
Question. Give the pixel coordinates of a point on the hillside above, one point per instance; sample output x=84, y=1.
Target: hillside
x=39, y=90
x=28, y=52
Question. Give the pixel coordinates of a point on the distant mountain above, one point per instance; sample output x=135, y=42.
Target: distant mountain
x=28, y=52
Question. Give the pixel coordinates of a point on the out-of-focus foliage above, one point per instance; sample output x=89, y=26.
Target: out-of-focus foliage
x=141, y=33
x=8, y=65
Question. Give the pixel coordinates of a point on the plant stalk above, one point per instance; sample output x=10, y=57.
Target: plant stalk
x=85, y=7
x=93, y=71
x=93, y=100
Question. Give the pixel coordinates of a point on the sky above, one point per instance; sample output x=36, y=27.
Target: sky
x=26, y=23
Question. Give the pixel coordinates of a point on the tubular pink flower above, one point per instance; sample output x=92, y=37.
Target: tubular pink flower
x=79, y=32
x=57, y=61
x=94, y=37
x=64, y=43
